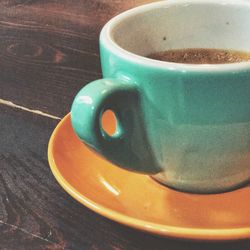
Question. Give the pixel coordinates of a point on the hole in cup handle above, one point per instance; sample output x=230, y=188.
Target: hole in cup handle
x=109, y=123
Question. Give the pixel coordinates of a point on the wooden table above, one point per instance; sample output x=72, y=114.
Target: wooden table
x=48, y=50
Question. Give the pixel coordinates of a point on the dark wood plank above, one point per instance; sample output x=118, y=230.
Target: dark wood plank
x=35, y=213
x=49, y=49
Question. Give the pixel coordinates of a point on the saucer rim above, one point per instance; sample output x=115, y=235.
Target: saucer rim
x=221, y=234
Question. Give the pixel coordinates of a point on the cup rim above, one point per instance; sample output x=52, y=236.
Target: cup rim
x=107, y=38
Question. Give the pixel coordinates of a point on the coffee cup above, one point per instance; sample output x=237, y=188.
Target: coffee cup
x=186, y=125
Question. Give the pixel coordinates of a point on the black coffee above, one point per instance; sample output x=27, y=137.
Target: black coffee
x=201, y=56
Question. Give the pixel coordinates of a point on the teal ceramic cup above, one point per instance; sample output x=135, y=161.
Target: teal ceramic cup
x=186, y=125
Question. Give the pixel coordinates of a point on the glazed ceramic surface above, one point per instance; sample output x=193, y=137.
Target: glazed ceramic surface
x=138, y=201
x=188, y=125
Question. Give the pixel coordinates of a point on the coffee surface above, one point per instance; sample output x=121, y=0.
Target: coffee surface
x=201, y=56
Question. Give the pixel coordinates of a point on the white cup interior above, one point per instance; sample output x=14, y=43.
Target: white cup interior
x=184, y=24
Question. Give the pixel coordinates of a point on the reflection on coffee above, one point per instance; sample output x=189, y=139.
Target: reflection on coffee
x=201, y=56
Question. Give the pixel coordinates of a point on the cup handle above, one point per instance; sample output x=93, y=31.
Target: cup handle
x=128, y=146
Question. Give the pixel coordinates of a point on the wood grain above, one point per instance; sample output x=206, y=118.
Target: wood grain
x=46, y=55
x=48, y=50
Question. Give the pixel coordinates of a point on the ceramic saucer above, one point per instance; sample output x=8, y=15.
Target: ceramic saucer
x=138, y=201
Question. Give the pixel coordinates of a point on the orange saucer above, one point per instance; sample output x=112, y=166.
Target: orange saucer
x=138, y=201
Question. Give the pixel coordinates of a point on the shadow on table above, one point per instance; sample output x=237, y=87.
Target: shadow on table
x=145, y=241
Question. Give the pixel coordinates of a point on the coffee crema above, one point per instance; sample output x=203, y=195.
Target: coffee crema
x=201, y=56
